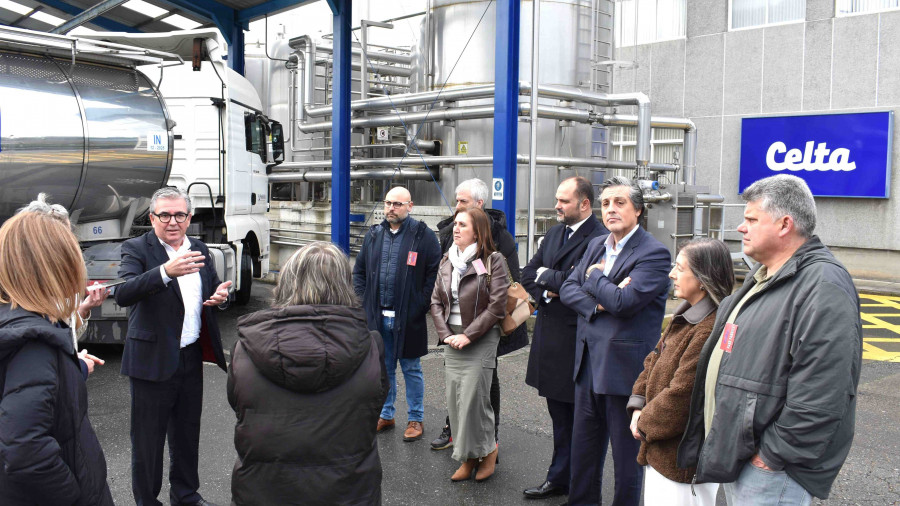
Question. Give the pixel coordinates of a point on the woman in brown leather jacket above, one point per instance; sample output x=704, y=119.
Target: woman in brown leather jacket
x=659, y=403
x=468, y=302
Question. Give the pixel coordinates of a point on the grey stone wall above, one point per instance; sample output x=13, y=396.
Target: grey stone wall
x=820, y=65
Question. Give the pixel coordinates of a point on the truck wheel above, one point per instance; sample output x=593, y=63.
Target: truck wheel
x=242, y=296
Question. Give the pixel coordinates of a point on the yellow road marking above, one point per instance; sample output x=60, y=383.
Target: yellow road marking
x=874, y=353
x=873, y=320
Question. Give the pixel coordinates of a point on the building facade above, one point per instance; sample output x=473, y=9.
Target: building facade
x=719, y=61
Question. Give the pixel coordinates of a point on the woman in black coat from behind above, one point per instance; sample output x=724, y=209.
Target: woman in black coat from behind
x=49, y=453
x=307, y=382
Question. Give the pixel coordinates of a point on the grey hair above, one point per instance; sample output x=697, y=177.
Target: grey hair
x=785, y=195
x=318, y=273
x=477, y=188
x=635, y=195
x=710, y=262
x=170, y=192
x=40, y=205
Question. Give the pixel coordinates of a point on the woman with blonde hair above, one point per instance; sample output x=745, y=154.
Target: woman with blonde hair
x=49, y=453
x=307, y=382
x=468, y=302
x=94, y=296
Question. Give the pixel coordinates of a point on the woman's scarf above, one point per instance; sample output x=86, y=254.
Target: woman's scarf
x=460, y=262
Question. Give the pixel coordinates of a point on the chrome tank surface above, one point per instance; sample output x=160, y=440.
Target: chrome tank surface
x=565, y=42
x=565, y=60
x=96, y=138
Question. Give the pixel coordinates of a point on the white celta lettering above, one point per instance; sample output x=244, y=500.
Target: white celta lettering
x=813, y=157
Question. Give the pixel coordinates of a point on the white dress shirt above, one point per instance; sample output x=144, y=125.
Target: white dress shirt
x=191, y=287
x=613, y=250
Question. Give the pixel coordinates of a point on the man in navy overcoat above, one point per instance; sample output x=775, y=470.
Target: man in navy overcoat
x=552, y=354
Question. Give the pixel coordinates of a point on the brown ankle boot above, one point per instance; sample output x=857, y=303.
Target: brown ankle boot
x=465, y=470
x=487, y=466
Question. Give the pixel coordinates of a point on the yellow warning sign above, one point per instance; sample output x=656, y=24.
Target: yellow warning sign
x=462, y=148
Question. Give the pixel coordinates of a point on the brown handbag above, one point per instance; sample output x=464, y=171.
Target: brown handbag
x=518, y=305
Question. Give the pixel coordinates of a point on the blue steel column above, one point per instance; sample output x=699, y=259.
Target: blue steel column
x=340, y=132
x=506, y=106
x=236, y=48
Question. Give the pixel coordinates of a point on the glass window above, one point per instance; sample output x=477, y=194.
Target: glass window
x=664, y=143
x=255, y=132
x=846, y=7
x=656, y=20
x=750, y=13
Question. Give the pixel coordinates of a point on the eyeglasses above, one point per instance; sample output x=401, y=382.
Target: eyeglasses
x=166, y=217
x=395, y=205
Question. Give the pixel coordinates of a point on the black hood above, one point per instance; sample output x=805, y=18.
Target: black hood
x=18, y=326
x=306, y=348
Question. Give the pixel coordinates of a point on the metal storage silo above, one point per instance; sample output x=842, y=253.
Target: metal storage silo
x=464, y=46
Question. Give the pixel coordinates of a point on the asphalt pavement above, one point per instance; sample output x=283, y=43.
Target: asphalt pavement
x=416, y=475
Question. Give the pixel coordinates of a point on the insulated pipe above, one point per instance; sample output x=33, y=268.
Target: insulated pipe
x=433, y=161
x=707, y=198
x=665, y=197
x=319, y=176
x=372, y=55
x=559, y=92
x=642, y=149
x=421, y=144
x=690, y=137
x=385, y=70
x=452, y=114
x=307, y=57
x=409, y=99
x=534, y=110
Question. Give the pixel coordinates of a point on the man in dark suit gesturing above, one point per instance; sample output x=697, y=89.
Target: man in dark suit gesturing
x=553, y=344
x=171, y=331
x=619, y=291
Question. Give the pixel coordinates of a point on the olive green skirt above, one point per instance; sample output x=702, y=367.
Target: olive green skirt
x=468, y=373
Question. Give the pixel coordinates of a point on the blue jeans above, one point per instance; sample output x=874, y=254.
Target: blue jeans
x=758, y=487
x=412, y=375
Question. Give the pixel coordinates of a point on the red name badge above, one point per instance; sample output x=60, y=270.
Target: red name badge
x=728, y=337
x=411, y=258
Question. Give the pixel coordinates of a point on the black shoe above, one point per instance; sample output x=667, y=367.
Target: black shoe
x=444, y=441
x=543, y=491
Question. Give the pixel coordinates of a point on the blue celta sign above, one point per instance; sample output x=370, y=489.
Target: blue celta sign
x=838, y=155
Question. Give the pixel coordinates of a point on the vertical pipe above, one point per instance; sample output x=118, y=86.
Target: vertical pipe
x=340, y=134
x=506, y=106
x=532, y=159
x=689, y=159
x=363, y=61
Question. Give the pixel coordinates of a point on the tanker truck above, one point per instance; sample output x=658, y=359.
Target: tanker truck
x=100, y=125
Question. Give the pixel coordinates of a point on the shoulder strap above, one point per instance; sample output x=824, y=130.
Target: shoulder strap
x=490, y=272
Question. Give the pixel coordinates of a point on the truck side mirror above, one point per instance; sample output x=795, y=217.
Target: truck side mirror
x=277, y=142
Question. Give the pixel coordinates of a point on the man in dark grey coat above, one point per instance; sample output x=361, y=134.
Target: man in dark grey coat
x=774, y=401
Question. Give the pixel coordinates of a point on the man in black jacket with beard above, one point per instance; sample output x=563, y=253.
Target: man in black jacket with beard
x=470, y=194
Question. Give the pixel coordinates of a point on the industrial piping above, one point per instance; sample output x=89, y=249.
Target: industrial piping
x=690, y=137
x=434, y=161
